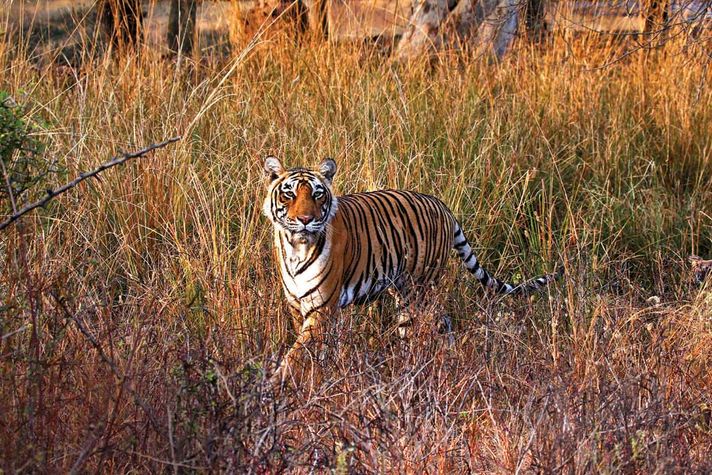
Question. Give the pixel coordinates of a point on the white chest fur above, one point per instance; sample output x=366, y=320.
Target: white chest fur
x=301, y=270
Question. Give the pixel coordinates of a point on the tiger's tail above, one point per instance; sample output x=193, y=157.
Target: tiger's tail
x=464, y=250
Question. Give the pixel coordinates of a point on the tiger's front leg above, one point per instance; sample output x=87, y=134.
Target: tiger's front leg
x=297, y=317
x=302, y=363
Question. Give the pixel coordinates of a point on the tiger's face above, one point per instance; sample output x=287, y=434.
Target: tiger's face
x=701, y=269
x=300, y=200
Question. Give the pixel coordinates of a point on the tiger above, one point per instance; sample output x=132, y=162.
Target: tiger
x=701, y=270
x=332, y=251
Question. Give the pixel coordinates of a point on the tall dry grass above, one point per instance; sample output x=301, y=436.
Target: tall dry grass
x=141, y=313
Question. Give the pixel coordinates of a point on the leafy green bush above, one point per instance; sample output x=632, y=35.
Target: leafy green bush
x=21, y=154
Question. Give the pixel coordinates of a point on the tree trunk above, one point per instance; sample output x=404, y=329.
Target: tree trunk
x=423, y=34
x=316, y=15
x=121, y=20
x=489, y=25
x=181, y=26
x=468, y=15
x=536, y=26
x=496, y=34
x=656, y=15
x=656, y=22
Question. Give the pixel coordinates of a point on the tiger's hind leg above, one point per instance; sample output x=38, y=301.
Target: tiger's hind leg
x=444, y=323
x=412, y=302
x=406, y=296
x=445, y=326
x=405, y=317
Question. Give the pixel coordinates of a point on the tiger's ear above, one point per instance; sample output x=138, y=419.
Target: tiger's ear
x=328, y=168
x=273, y=168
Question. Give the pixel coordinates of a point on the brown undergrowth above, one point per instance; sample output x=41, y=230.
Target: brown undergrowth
x=141, y=315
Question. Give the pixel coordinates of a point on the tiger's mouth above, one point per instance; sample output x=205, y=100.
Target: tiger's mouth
x=299, y=228
x=303, y=237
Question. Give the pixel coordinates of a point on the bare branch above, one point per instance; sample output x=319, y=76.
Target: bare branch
x=83, y=176
x=122, y=378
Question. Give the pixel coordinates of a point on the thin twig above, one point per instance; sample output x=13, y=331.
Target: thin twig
x=87, y=448
x=83, y=176
x=122, y=378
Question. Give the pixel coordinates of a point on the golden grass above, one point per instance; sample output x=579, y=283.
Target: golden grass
x=166, y=264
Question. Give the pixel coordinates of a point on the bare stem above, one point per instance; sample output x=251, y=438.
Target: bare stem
x=83, y=176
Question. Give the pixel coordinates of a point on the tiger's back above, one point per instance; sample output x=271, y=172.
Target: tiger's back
x=393, y=238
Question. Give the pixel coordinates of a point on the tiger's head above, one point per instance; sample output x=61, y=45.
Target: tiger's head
x=300, y=200
x=701, y=269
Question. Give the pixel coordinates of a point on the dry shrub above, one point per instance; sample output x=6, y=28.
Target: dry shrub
x=613, y=386
x=141, y=315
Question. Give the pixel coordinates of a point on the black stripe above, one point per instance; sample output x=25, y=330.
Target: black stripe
x=420, y=236
x=324, y=274
x=435, y=217
x=361, y=236
x=282, y=236
x=356, y=242
x=322, y=305
x=390, y=256
x=398, y=233
x=411, y=230
x=431, y=229
x=384, y=248
x=365, y=234
x=316, y=252
x=286, y=290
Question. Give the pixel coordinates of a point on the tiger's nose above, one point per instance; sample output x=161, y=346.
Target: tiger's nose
x=306, y=219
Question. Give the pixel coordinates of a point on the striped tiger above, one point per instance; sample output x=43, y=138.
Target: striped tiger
x=701, y=269
x=336, y=251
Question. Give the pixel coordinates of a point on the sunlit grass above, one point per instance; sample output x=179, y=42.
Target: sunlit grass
x=543, y=158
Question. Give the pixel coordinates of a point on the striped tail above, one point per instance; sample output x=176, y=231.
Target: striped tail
x=464, y=250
